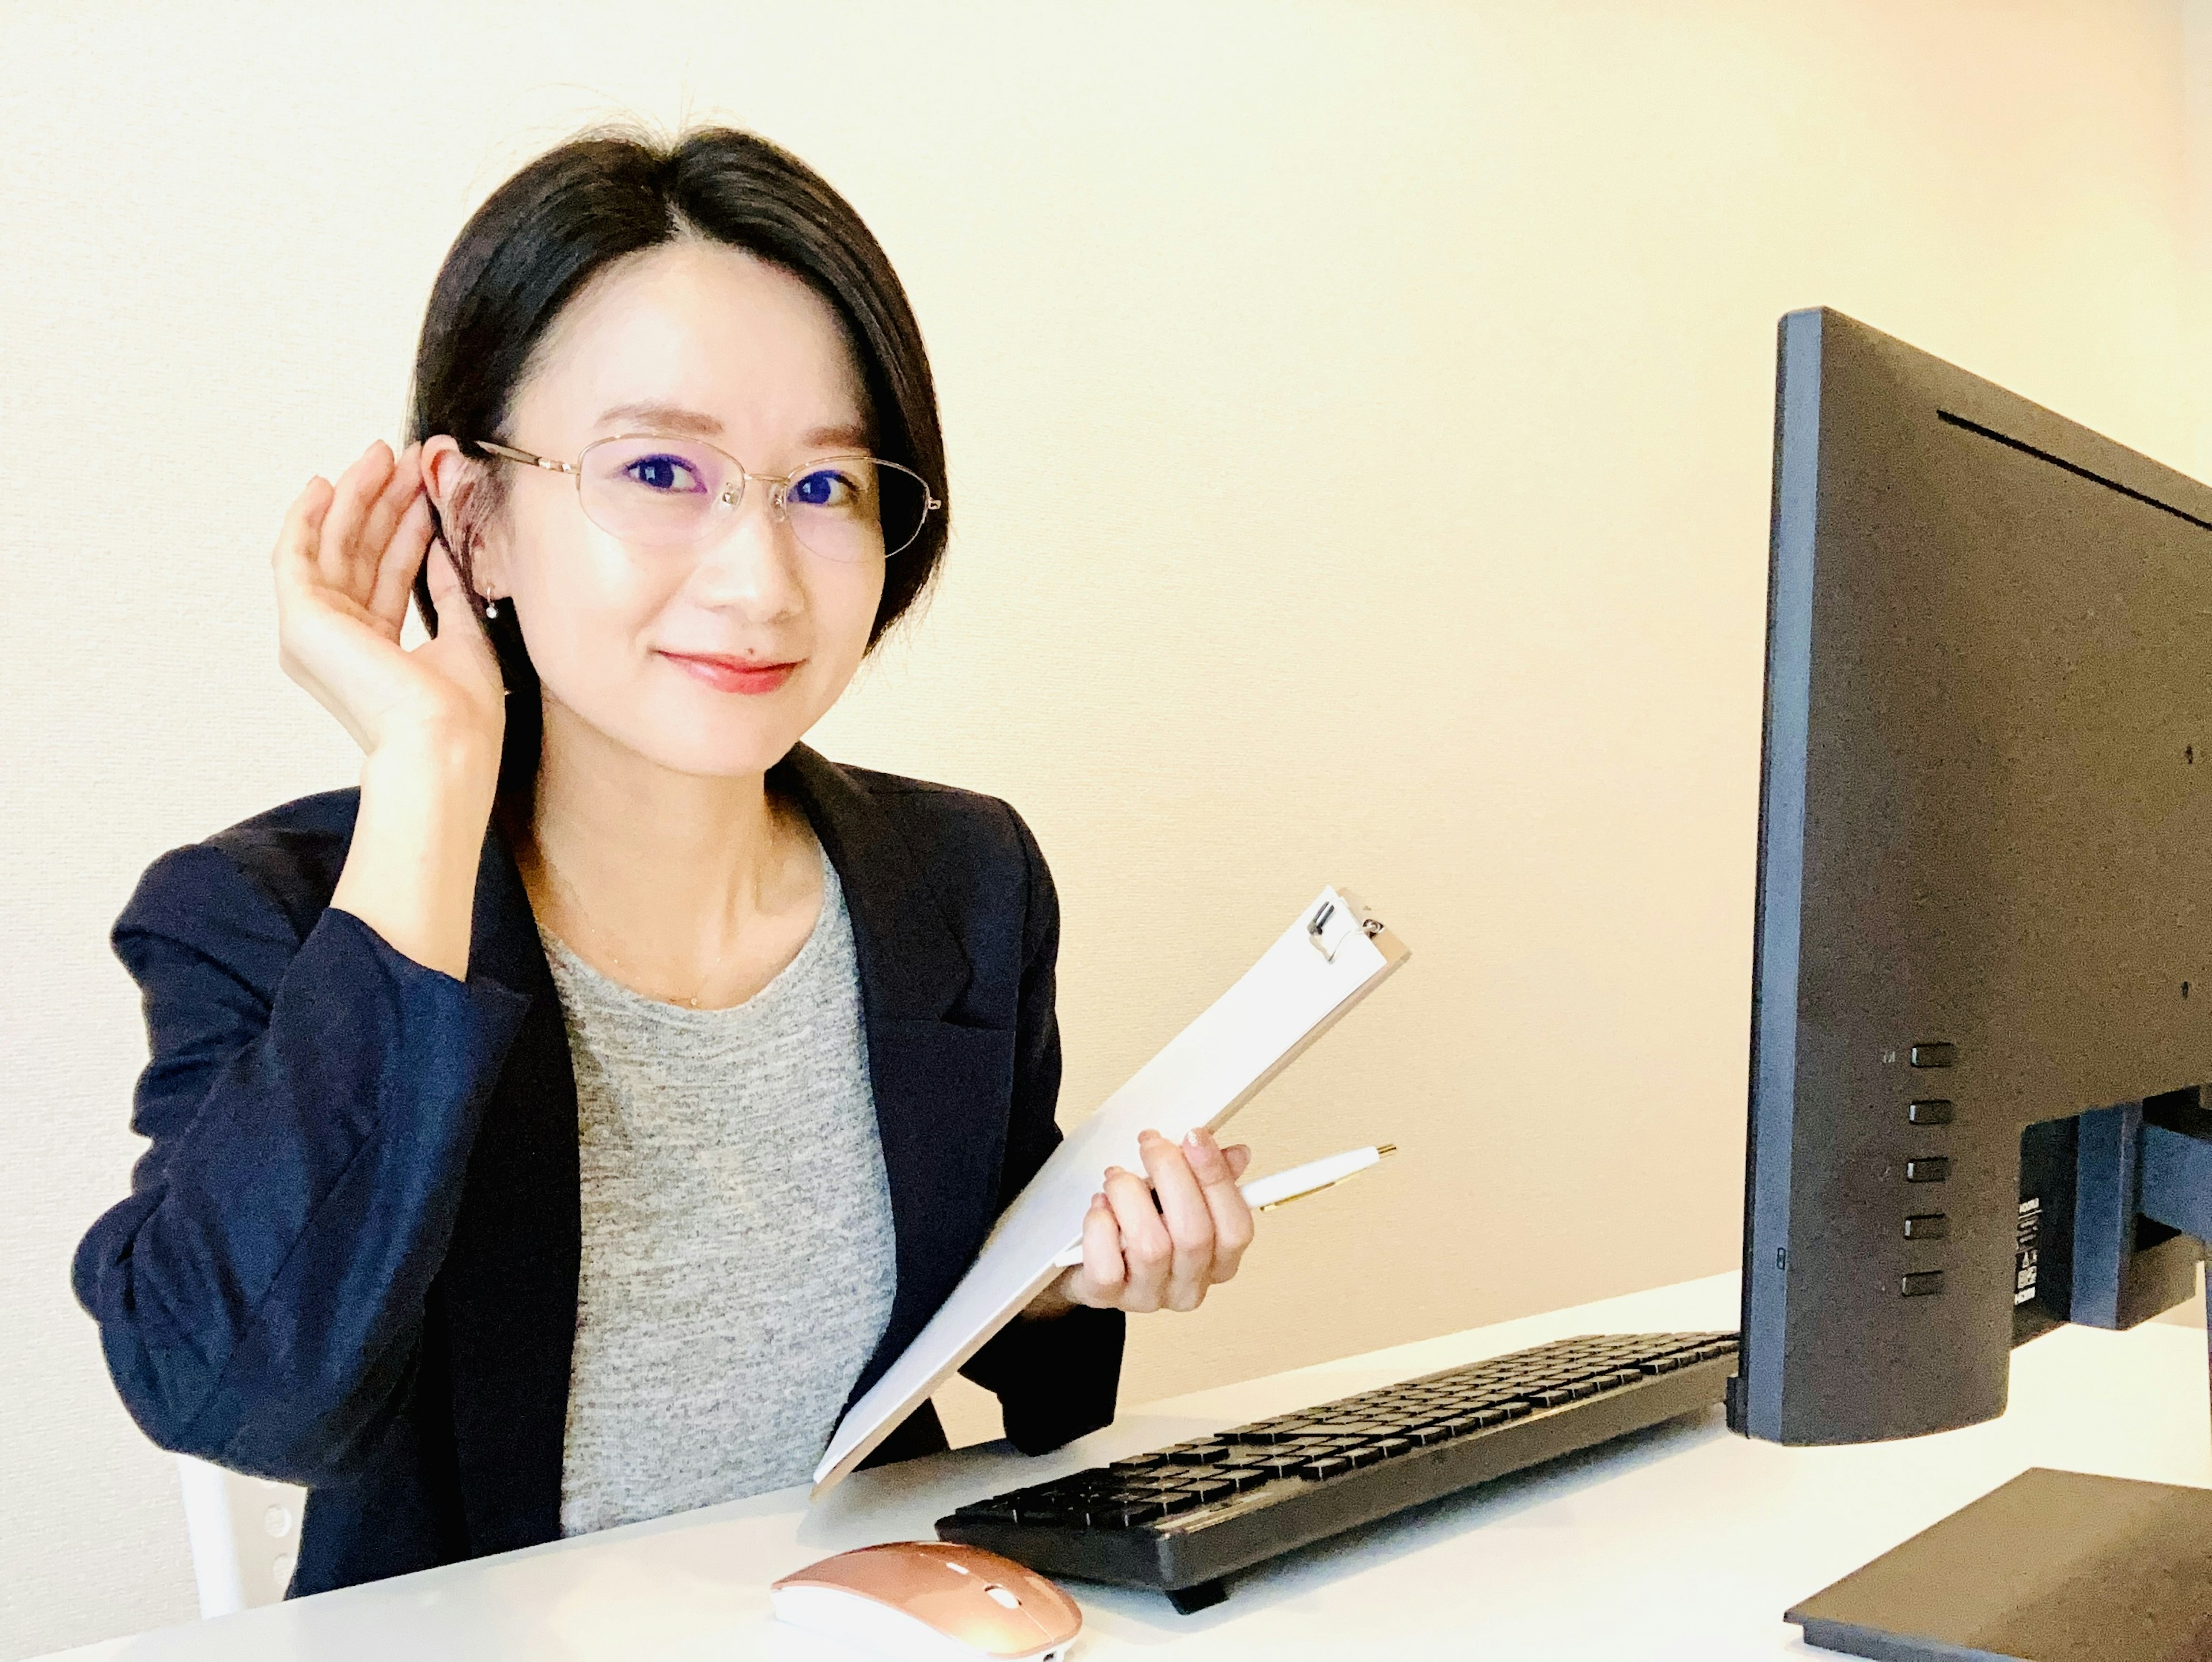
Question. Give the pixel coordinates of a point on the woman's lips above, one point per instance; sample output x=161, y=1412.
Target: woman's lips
x=733, y=674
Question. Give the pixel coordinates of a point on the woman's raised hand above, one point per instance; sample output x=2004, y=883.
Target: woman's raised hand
x=343, y=565
x=1158, y=1241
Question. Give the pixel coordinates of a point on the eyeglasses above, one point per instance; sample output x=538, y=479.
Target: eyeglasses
x=653, y=491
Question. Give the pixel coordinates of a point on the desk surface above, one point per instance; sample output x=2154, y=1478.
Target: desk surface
x=1683, y=1541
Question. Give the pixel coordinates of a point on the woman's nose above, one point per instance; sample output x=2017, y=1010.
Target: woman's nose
x=755, y=563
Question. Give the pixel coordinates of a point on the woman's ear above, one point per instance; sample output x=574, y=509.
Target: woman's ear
x=455, y=483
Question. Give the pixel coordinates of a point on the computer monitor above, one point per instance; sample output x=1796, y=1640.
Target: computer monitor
x=1982, y=1001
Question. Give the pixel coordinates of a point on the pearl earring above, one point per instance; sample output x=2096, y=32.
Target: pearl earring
x=491, y=608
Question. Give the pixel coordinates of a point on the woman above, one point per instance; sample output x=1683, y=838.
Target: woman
x=563, y=1128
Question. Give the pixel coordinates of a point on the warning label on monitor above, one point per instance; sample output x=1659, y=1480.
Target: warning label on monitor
x=2026, y=1238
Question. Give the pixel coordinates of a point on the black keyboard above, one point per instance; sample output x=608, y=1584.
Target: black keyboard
x=1182, y=1518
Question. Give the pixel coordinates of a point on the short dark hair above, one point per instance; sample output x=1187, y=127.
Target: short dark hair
x=567, y=215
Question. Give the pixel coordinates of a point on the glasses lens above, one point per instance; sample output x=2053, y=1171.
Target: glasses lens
x=856, y=508
x=653, y=491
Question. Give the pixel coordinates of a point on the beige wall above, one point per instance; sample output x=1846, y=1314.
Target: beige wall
x=1360, y=424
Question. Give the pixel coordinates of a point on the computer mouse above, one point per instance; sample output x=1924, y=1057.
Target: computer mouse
x=931, y=1601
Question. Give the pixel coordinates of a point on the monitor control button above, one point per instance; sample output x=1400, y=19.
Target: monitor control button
x=1937, y=1170
x=1930, y=1227
x=1934, y=1056
x=1930, y=1113
x=1920, y=1285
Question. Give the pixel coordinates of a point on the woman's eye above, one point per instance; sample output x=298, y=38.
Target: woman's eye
x=826, y=487
x=664, y=474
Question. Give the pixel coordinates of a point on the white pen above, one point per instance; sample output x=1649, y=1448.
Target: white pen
x=1282, y=1187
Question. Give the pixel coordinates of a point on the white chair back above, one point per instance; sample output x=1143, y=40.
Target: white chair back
x=244, y=1533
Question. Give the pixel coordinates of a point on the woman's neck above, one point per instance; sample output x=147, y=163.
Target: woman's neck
x=675, y=884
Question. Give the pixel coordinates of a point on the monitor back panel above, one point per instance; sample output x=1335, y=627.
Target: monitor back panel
x=1985, y=873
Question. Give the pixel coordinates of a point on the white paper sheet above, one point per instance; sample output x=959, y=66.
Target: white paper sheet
x=1203, y=1076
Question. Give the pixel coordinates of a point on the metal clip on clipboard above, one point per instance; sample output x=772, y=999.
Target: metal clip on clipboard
x=1333, y=922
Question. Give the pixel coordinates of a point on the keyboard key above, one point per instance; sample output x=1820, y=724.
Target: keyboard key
x=1207, y=1455
x=1327, y=1465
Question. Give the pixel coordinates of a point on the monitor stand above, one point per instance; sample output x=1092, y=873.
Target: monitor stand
x=2054, y=1567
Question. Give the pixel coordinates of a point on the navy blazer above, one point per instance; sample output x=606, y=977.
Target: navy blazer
x=349, y=1259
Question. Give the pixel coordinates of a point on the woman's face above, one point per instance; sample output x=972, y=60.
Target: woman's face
x=712, y=660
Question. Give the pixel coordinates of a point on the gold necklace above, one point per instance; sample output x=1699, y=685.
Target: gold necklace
x=574, y=902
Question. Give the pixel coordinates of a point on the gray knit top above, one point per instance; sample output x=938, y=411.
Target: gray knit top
x=738, y=1261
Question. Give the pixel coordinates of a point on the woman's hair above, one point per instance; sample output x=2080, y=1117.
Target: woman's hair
x=544, y=234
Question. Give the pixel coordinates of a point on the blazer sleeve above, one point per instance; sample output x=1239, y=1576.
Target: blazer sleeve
x=311, y=1103
x=1055, y=1378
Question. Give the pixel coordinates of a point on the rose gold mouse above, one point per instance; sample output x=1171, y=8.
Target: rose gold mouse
x=931, y=1601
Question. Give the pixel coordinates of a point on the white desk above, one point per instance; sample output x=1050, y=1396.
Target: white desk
x=1685, y=1542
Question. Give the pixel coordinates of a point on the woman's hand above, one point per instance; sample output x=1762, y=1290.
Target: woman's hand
x=1140, y=1254
x=343, y=565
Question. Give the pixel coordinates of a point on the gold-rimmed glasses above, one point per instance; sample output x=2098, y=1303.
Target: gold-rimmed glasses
x=654, y=491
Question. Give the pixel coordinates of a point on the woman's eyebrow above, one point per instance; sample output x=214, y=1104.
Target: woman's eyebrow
x=672, y=416
x=675, y=418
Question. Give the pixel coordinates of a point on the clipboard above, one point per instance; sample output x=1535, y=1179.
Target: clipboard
x=1331, y=956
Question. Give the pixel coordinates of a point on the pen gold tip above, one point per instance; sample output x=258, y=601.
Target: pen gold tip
x=1386, y=1148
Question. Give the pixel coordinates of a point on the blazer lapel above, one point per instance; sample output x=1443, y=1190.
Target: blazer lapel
x=941, y=1085
x=508, y=1286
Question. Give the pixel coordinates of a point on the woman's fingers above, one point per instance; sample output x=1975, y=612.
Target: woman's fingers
x=1158, y=1240
x=1147, y=1252
x=1102, y=1267
x=1189, y=1220
x=402, y=558
x=1217, y=1182
x=293, y=558
x=392, y=502
x=341, y=555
